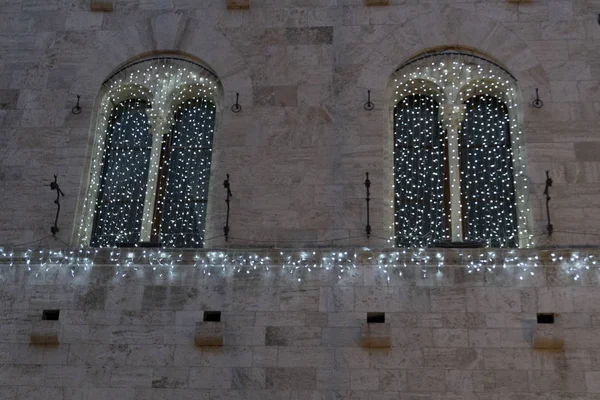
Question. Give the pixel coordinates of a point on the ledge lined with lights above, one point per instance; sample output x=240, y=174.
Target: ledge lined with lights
x=390, y=262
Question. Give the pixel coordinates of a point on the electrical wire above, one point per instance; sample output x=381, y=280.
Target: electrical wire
x=32, y=242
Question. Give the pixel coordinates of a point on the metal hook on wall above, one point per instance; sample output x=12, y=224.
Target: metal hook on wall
x=369, y=104
x=227, y=187
x=54, y=186
x=236, y=108
x=550, y=227
x=368, y=186
x=537, y=103
x=77, y=109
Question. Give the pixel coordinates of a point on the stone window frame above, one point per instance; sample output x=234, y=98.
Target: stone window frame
x=451, y=94
x=120, y=87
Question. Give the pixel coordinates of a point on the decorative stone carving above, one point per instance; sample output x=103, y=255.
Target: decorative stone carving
x=44, y=332
x=209, y=334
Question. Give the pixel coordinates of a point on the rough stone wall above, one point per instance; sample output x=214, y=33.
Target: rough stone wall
x=454, y=335
x=298, y=152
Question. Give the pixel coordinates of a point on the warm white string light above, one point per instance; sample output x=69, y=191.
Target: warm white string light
x=340, y=263
x=459, y=170
x=151, y=162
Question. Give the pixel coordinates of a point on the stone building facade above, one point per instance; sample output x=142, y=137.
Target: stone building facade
x=458, y=324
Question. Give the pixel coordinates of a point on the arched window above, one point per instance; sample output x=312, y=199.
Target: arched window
x=187, y=172
x=419, y=152
x=120, y=204
x=151, y=160
x=487, y=181
x=459, y=170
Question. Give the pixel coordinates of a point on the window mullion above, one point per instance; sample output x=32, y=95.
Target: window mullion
x=453, y=115
x=158, y=126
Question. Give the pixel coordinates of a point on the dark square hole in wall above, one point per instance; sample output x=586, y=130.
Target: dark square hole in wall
x=51, y=315
x=547, y=318
x=375, y=317
x=212, y=316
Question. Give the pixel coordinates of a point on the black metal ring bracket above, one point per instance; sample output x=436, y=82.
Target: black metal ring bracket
x=369, y=106
x=537, y=103
x=236, y=108
x=77, y=109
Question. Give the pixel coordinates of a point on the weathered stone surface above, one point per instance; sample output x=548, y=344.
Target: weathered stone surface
x=45, y=332
x=297, y=155
x=238, y=4
x=375, y=335
x=548, y=338
x=102, y=5
x=377, y=2
x=209, y=334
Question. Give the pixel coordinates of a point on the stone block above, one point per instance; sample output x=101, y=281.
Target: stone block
x=293, y=357
x=209, y=334
x=312, y=35
x=375, y=335
x=290, y=378
x=548, y=338
x=248, y=378
x=45, y=332
x=238, y=4
x=377, y=3
x=586, y=151
x=9, y=99
x=102, y=5
x=592, y=380
x=210, y=378
x=331, y=379
x=293, y=336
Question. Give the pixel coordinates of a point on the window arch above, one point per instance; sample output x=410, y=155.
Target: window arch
x=150, y=165
x=484, y=197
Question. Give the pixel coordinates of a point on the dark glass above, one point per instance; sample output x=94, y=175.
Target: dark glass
x=419, y=166
x=487, y=179
x=124, y=175
x=186, y=169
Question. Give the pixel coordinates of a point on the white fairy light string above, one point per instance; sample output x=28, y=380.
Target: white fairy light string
x=156, y=121
x=459, y=156
x=390, y=265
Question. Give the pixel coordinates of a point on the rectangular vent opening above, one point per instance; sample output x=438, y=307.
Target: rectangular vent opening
x=375, y=317
x=545, y=318
x=50, y=315
x=212, y=316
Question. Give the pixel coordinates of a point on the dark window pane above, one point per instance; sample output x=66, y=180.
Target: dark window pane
x=418, y=172
x=489, y=212
x=187, y=175
x=120, y=202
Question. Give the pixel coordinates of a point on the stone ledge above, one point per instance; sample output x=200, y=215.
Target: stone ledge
x=548, y=338
x=375, y=335
x=102, y=5
x=238, y=4
x=370, y=3
x=209, y=334
x=44, y=332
